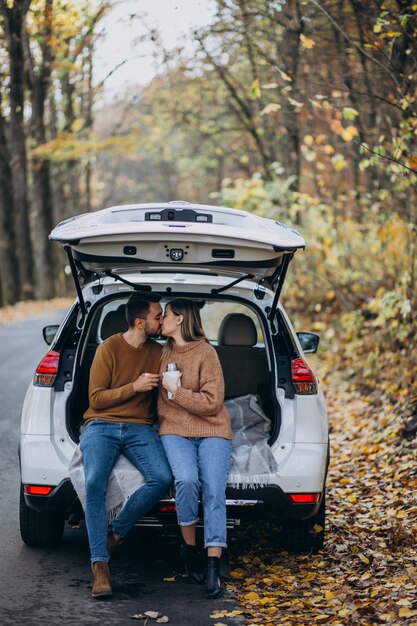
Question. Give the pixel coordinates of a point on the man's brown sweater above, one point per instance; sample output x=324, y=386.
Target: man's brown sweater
x=196, y=408
x=115, y=367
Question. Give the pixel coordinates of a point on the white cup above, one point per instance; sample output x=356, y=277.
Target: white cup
x=175, y=376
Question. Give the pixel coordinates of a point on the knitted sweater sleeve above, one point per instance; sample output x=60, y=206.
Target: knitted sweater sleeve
x=208, y=400
x=101, y=395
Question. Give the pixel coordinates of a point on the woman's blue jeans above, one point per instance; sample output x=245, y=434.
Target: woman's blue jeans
x=200, y=464
x=101, y=445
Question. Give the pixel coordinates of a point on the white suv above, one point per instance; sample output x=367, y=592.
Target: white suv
x=234, y=263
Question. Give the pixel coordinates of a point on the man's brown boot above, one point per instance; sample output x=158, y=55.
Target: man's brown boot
x=102, y=579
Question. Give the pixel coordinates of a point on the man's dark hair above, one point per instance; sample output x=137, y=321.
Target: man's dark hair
x=138, y=306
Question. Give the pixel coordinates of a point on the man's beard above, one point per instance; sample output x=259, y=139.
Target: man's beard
x=149, y=333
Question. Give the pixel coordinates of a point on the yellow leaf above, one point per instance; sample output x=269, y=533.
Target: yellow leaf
x=255, y=89
x=349, y=133
x=329, y=596
x=406, y=613
x=272, y=107
x=285, y=76
x=306, y=42
x=364, y=559
x=412, y=161
x=77, y=125
x=252, y=596
x=316, y=529
x=338, y=162
x=169, y=580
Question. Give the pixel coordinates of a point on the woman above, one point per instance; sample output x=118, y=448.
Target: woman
x=196, y=435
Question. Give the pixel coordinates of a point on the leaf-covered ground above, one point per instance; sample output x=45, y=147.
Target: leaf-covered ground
x=368, y=570
x=30, y=308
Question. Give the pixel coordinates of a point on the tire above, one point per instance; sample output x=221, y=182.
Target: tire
x=300, y=536
x=40, y=530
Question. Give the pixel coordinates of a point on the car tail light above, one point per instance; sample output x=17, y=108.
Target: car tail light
x=167, y=508
x=47, y=370
x=303, y=378
x=37, y=490
x=304, y=498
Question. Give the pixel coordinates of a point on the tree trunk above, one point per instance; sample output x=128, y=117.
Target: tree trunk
x=42, y=219
x=9, y=274
x=13, y=25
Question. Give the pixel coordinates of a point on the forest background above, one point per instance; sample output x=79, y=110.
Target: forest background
x=302, y=111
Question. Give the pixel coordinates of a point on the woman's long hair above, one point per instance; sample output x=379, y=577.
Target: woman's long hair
x=191, y=327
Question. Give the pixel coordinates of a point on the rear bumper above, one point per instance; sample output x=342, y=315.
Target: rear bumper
x=268, y=503
x=260, y=503
x=63, y=499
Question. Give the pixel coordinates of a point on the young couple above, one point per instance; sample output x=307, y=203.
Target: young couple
x=194, y=442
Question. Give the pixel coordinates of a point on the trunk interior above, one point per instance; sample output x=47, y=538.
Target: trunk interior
x=232, y=328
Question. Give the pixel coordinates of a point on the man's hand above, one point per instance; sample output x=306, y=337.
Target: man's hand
x=146, y=382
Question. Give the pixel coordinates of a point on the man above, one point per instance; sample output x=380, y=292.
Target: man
x=119, y=420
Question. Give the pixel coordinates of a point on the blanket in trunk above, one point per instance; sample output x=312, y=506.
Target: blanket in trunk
x=252, y=462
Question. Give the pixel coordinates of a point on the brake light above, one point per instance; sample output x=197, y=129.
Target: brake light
x=37, y=490
x=167, y=508
x=303, y=378
x=304, y=498
x=47, y=370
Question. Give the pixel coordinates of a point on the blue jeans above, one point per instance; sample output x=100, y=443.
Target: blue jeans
x=101, y=445
x=200, y=464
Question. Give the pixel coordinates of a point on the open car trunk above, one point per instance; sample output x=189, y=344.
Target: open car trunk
x=245, y=367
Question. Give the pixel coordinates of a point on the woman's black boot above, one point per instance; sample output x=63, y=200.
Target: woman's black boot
x=194, y=563
x=214, y=582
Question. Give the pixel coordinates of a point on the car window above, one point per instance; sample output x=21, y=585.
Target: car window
x=113, y=305
x=212, y=314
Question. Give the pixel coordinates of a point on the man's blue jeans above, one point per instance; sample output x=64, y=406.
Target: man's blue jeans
x=101, y=444
x=200, y=464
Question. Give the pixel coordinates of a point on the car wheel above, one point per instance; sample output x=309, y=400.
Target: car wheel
x=40, y=530
x=305, y=535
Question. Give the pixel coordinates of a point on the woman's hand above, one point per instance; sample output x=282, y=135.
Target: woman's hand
x=168, y=383
x=146, y=382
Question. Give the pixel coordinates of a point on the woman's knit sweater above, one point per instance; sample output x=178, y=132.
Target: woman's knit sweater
x=196, y=408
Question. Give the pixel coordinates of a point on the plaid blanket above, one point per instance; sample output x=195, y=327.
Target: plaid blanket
x=252, y=462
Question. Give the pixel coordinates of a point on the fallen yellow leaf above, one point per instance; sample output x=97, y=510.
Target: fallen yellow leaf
x=363, y=558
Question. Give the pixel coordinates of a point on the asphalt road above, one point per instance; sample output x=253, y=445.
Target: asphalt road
x=53, y=586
